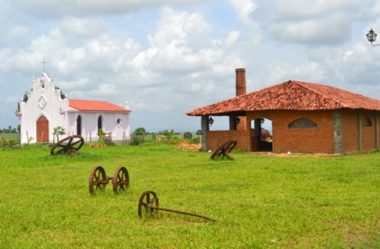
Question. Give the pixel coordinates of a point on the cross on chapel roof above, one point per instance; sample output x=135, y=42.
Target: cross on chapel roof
x=43, y=64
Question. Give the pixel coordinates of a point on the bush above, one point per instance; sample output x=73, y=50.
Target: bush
x=187, y=135
x=136, y=139
x=140, y=131
x=196, y=140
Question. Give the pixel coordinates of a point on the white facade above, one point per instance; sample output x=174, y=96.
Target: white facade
x=45, y=107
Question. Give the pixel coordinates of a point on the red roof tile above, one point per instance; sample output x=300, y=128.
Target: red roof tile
x=94, y=105
x=291, y=95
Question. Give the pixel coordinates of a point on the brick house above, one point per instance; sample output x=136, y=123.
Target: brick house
x=306, y=117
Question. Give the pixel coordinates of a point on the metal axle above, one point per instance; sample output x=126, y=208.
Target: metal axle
x=183, y=212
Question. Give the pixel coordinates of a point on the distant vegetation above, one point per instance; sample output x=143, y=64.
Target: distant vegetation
x=140, y=135
x=10, y=129
x=9, y=137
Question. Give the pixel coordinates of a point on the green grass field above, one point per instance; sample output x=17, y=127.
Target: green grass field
x=259, y=201
x=9, y=136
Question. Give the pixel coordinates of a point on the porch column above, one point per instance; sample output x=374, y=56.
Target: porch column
x=376, y=131
x=205, y=128
x=338, y=132
x=232, y=122
x=257, y=135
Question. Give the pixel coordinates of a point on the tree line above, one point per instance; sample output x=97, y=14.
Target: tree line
x=10, y=129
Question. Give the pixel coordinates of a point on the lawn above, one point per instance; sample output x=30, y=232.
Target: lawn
x=9, y=136
x=258, y=201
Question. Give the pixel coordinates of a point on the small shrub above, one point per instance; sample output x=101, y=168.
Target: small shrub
x=196, y=140
x=136, y=139
x=187, y=135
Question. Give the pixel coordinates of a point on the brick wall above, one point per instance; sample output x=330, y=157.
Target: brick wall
x=368, y=132
x=307, y=140
x=350, y=131
x=217, y=138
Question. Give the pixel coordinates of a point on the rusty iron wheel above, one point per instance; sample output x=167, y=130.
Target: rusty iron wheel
x=224, y=149
x=68, y=145
x=120, y=180
x=148, y=204
x=97, y=180
x=230, y=146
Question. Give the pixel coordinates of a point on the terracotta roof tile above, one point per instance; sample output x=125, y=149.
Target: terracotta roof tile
x=94, y=105
x=291, y=95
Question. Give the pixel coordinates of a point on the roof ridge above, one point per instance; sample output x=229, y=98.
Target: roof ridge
x=305, y=85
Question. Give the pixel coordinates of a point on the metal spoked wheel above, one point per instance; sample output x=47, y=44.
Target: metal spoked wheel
x=68, y=145
x=120, y=180
x=148, y=204
x=97, y=180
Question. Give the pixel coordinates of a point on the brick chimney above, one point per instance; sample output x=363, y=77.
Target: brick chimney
x=240, y=81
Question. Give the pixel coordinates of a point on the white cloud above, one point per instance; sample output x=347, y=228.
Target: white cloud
x=317, y=31
x=232, y=38
x=320, y=22
x=181, y=59
x=81, y=28
x=308, y=71
x=105, y=90
x=58, y=8
x=244, y=9
x=309, y=9
x=182, y=28
x=17, y=32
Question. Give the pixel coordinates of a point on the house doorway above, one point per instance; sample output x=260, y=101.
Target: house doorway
x=79, y=125
x=261, y=138
x=42, y=130
x=100, y=123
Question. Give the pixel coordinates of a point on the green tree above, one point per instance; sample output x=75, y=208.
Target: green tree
x=140, y=131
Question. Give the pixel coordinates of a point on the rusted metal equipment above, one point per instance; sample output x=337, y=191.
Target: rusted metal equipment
x=98, y=180
x=149, y=206
x=223, y=150
x=69, y=145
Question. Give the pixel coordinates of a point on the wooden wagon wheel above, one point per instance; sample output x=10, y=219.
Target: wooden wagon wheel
x=68, y=145
x=148, y=204
x=97, y=180
x=224, y=149
x=120, y=180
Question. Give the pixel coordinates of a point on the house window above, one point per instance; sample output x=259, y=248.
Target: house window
x=302, y=123
x=367, y=122
x=119, y=122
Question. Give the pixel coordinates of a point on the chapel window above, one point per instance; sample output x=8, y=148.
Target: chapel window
x=302, y=123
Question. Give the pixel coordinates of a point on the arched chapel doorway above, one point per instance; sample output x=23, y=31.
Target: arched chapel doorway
x=42, y=130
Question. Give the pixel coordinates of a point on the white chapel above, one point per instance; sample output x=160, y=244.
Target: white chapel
x=45, y=107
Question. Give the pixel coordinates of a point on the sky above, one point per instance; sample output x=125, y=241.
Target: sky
x=166, y=57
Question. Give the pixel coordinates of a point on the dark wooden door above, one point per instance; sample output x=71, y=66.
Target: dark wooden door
x=42, y=130
x=79, y=125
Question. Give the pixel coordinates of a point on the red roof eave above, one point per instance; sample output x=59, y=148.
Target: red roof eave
x=291, y=95
x=95, y=106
